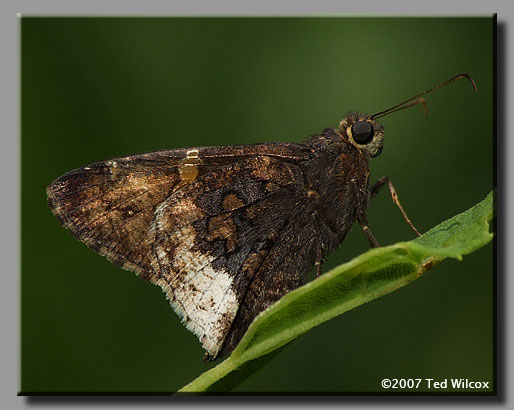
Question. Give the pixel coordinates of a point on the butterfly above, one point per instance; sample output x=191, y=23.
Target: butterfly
x=227, y=231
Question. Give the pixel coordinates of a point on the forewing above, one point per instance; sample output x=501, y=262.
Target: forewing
x=110, y=205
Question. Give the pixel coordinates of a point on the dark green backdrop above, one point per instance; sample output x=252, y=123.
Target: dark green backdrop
x=98, y=88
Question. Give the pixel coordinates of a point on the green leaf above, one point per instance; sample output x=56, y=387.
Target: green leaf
x=375, y=273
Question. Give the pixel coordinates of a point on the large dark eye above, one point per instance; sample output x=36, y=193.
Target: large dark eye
x=362, y=132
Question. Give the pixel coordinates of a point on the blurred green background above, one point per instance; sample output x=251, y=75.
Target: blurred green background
x=99, y=88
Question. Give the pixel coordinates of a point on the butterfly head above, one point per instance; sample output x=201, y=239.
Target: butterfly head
x=364, y=133
x=368, y=135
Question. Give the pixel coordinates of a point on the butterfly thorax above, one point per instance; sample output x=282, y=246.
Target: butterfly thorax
x=339, y=173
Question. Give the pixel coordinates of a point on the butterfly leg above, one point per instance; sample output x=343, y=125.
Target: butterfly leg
x=319, y=266
x=365, y=228
x=361, y=215
x=377, y=187
x=320, y=258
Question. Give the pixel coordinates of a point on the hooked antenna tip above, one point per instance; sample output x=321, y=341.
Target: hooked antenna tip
x=466, y=75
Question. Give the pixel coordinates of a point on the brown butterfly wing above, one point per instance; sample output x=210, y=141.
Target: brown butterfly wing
x=216, y=238
x=208, y=241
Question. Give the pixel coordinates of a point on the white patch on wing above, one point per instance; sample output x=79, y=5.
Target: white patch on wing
x=201, y=295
